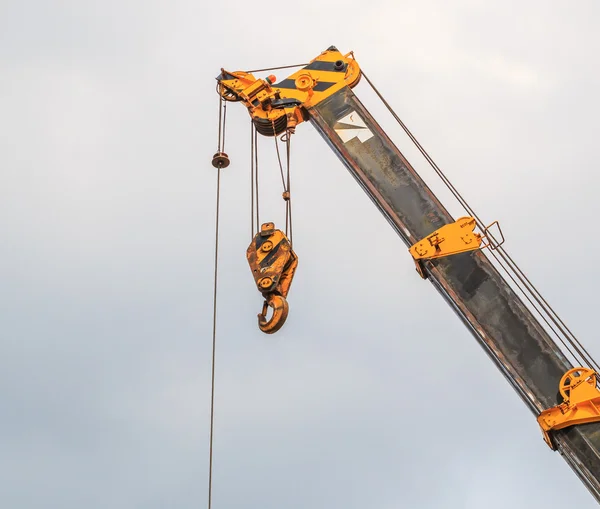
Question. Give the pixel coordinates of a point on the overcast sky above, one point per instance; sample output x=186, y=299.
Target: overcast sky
x=373, y=394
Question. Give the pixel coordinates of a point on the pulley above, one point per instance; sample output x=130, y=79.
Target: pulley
x=273, y=264
x=581, y=403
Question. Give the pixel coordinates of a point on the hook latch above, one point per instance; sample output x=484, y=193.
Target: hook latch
x=273, y=264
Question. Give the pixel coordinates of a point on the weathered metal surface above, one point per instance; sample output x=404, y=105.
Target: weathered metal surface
x=273, y=264
x=508, y=331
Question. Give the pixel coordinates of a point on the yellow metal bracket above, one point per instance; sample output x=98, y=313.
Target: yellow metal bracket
x=273, y=264
x=581, y=403
x=450, y=239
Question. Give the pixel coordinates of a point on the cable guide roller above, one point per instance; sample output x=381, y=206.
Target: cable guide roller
x=581, y=403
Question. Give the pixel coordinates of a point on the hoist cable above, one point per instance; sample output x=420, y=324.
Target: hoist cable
x=276, y=68
x=525, y=281
x=224, y=120
x=534, y=306
x=256, y=179
x=583, y=358
x=214, y=342
x=288, y=144
x=286, y=185
x=220, y=122
x=279, y=158
x=251, y=180
x=593, y=364
x=220, y=149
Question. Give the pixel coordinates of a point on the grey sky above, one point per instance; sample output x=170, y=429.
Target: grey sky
x=374, y=394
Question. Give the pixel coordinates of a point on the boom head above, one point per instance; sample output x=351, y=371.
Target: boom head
x=277, y=107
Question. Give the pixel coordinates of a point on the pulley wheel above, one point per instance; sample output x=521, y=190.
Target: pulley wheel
x=220, y=160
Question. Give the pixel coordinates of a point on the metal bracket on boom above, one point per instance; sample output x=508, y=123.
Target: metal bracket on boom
x=273, y=264
x=581, y=403
x=450, y=239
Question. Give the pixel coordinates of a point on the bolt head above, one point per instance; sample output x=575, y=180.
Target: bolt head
x=265, y=282
x=267, y=246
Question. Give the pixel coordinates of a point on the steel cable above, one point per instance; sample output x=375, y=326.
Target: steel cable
x=286, y=185
x=276, y=68
x=224, y=120
x=256, y=179
x=251, y=180
x=220, y=149
x=214, y=343
x=288, y=145
x=279, y=158
x=220, y=121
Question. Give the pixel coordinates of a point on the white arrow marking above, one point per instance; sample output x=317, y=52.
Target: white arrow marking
x=352, y=126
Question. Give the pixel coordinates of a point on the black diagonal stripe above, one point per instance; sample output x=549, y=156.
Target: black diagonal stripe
x=285, y=84
x=270, y=258
x=342, y=125
x=321, y=86
x=320, y=65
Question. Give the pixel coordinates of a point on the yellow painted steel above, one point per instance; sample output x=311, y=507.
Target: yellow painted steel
x=273, y=264
x=450, y=239
x=283, y=107
x=581, y=403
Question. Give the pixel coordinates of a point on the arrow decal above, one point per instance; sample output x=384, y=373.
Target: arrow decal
x=352, y=126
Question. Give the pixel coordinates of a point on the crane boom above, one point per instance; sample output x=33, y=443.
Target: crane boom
x=514, y=339
x=500, y=321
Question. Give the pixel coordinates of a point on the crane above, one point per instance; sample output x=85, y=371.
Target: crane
x=449, y=253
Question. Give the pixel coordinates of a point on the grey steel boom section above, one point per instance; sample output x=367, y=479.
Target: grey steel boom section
x=513, y=338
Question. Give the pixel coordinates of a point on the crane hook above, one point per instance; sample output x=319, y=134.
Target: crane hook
x=273, y=264
x=280, y=308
